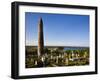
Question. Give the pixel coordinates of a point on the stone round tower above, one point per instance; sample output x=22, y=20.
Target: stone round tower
x=40, y=38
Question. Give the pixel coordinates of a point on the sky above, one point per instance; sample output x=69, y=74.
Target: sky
x=58, y=29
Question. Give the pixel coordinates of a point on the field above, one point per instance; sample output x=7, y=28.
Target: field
x=56, y=56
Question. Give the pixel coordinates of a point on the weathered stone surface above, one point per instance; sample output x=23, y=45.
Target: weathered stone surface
x=40, y=37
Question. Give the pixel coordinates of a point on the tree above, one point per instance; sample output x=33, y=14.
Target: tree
x=46, y=50
x=68, y=53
